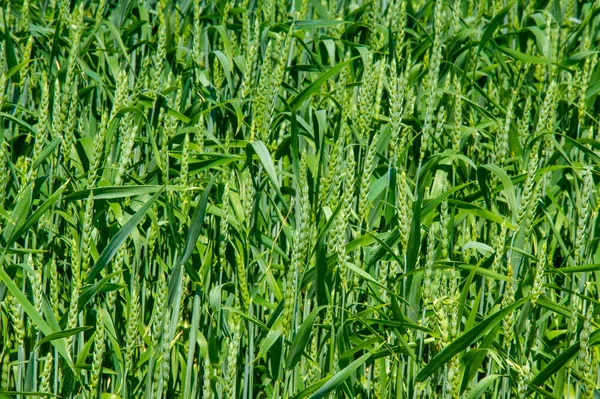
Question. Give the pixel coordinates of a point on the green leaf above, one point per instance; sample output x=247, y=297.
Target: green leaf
x=414, y=239
x=524, y=57
x=37, y=215
x=341, y=376
x=482, y=386
x=302, y=338
x=494, y=24
x=579, y=269
x=35, y=317
x=466, y=339
x=120, y=237
x=117, y=38
x=62, y=334
x=115, y=192
x=176, y=277
x=9, y=54
x=46, y=151
x=18, y=216
x=556, y=364
x=267, y=343
x=259, y=148
x=508, y=189
x=314, y=86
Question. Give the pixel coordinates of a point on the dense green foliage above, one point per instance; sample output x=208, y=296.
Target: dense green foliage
x=299, y=199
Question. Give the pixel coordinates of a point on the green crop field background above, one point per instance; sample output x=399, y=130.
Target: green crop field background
x=299, y=199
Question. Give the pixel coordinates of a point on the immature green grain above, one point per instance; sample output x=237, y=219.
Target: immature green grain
x=453, y=379
x=444, y=226
x=243, y=283
x=441, y=320
x=224, y=226
x=439, y=127
x=133, y=318
x=507, y=298
x=280, y=53
x=68, y=105
x=431, y=80
x=531, y=208
x=248, y=197
x=399, y=12
x=21, y=168
x=346, y=193
x=250, y=60
x=502, y=151
x=121, y=97
x=161, y=53
x=42, y=125
x=429, y=285
x=170, y=128
x=4, y=381
x=583, y=216
x=24, y=20
x=538, y=277
x=159, y=306
x=384, y=273
x=52, y=5
x=304, y=227
x=265, y=93
x=152, y=235
x=456, y=15
x=165, y=363
x=54, y=288
x=588, y=68
x=58, y=117
x=547, y=115
x=397, y=88
x=366, y=96
x=100, y=12
x=457, y=131
x=65, y=14
x=404, y=209
x=587, y=355
x=376, y=379
x=290, y=289
x=218, y=72
x=3, y=79
x=26, y=58
x=313, y=369
x=524, y=122
x=4, y=171
x=129, y=133
x=232, y=358
x=98, y=354
x=35, y=279
x=575, y=305
x=331, y=178
x=524, y=376
x=118, y=264
x=268, y=10
x=76, y=281
x=206, y=376
x=17, y=317
x=184, y=176
x=46, y=383
x=98, y=150
x=529, y=186
x=86, y=234
x=371, y=150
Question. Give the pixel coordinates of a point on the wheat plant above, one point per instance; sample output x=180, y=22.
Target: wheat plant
x=299, y=199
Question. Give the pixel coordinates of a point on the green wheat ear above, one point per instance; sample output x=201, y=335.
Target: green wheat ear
x=298, y=199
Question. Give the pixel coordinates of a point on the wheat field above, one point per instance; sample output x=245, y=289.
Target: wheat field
x=299, y=199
